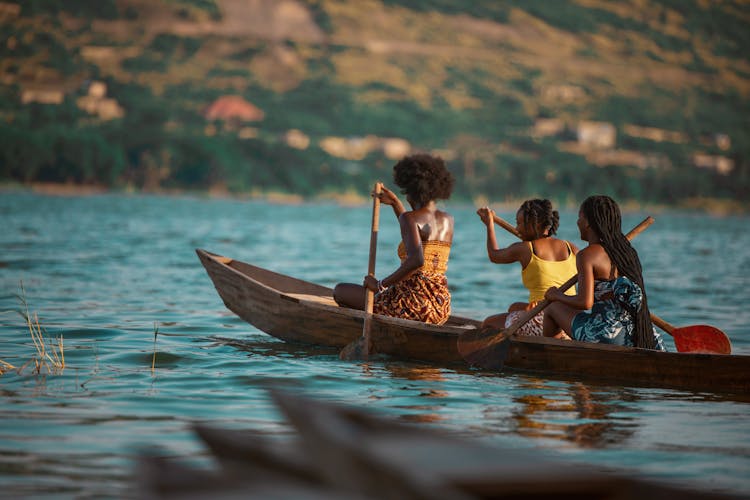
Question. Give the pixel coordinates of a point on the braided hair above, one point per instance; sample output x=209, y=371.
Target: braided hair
x=603, y=214
x=541, y=216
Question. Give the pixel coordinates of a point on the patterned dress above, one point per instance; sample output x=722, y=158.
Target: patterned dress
x=610, y=320
x=534, y=327
x=423, y=295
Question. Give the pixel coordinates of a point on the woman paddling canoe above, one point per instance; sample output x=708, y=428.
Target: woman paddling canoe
x=418, y=288
x=610, y=306
x=545, y=260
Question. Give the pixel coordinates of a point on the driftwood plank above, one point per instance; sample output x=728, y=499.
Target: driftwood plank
x=342, y=452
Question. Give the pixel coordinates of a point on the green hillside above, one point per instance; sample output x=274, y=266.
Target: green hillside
x=645, y=100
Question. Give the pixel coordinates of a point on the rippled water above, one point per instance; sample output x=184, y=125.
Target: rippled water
x=104, y=271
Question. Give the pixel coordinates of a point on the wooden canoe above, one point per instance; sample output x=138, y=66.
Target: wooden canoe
x=298, y=311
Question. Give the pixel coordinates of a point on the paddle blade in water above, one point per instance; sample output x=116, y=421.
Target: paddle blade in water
x=486, y=348
x=357, y=349
x=701, y=339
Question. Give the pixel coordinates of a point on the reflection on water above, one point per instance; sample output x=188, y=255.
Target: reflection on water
x=577, y=414
x=419, y=411
x=423, y=411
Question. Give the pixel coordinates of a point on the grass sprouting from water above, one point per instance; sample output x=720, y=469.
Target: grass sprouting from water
x=4, y=367
x=50, y=352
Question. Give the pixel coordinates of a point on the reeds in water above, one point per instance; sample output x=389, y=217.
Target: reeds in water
x=5, y=367
x=50, y=352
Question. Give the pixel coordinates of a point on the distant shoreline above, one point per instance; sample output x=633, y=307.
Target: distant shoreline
x=710, y=206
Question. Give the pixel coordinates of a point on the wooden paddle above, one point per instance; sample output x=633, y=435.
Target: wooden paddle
x=360, y=348
x=488, y=347
x=696, y=338
x=506, y=225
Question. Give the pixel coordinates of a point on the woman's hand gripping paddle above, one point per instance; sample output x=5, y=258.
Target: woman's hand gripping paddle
x=360, y=348
x=488, y=347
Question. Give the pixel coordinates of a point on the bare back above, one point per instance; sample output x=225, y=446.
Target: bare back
x=550, y=249
x=601, y=264
x=433, y=225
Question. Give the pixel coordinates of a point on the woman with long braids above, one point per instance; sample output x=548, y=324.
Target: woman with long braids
x=610, y=306
x=545, y=260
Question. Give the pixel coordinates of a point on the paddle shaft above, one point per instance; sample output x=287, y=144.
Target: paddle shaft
x=572, y=281
x=662, y=324
x=505, y=225
x=369, y=294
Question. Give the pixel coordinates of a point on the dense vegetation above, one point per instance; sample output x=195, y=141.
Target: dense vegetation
x=477, y=108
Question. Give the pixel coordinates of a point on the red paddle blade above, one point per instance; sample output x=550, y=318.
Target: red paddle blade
x=701, y=339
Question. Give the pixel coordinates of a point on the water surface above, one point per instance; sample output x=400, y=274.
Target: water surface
x=105, y=271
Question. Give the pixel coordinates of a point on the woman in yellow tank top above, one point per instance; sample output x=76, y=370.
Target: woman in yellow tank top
x=545, y=261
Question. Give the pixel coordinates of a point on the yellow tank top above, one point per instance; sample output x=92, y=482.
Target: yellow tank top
x=436, y=255
x=542, y=274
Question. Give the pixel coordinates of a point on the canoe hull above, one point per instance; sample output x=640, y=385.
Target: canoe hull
x=298, y=311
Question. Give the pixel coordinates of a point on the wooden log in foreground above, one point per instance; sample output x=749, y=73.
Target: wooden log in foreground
x=341, y=452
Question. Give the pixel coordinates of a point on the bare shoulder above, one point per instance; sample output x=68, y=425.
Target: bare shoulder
x=443, y=213
x=520, y=248
x=591, y=252
x=408, y=221
x=407, y=217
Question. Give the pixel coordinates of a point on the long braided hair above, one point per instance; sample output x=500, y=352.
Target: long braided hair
x=541, y=215
x=603, y=214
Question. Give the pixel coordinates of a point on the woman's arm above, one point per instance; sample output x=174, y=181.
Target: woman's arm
x=517, y=252
x=388, y=197
x=414, y=253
